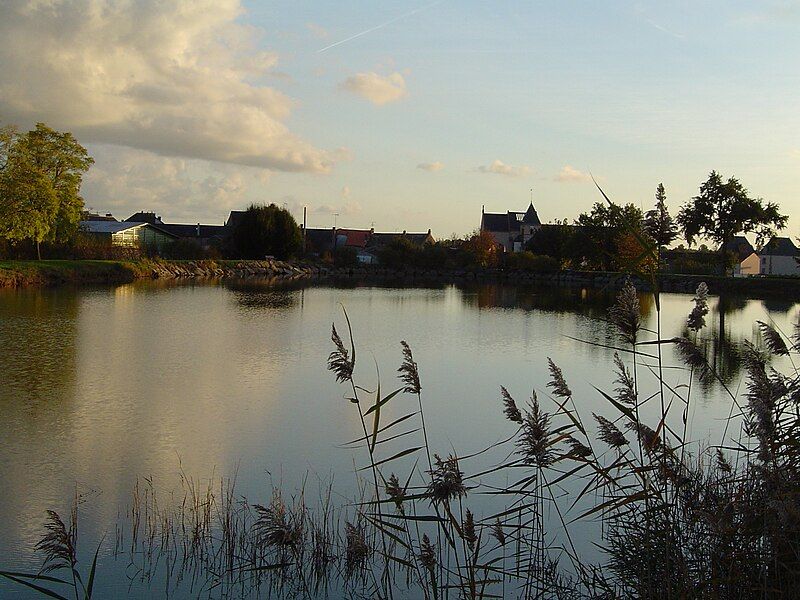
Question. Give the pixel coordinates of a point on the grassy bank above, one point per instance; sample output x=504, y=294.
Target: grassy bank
x=18, y=273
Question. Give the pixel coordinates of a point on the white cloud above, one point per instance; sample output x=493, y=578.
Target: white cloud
x=795, y=153
x=498, y=167
x=376, y=88
x=570, y=174
x=178, y=78
x=124, y=181
x=431, y=166
x=345, y=209
x=346, y=191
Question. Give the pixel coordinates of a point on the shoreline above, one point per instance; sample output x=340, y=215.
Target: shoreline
x=17, y=274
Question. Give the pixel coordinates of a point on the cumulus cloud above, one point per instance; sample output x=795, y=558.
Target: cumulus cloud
x=376, y=88
x=498, y=167
x=179, y=78
x=570, y=174
x=795, y=153
x=431, y=166
x=124, y=181
x=344, y=209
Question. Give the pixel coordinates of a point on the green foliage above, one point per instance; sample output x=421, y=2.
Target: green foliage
x=724, y=209
x=556, y=240
x=40, y=178
x=481, y=250
x=398, y=253
x=345, y=257
x=535, y=263
x=600, y=230
x=266, y=231
x=658, y=223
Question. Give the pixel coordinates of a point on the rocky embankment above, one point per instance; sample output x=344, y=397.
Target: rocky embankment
x=232, y=269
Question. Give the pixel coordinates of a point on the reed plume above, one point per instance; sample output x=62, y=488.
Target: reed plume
x=557, y=382
x=609, y=433
x=409, y=372
x=697, y=318
x=534, y=440
x=339, y=361
x=625, y=313
x=510, y=409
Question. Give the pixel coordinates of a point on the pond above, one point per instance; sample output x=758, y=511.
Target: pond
x=101, y=387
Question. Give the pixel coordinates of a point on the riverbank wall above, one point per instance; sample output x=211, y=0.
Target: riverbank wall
x=59, y=272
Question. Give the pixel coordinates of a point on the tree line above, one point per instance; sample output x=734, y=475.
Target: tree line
x=609, y=236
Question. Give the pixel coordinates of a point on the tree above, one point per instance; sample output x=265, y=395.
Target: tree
x=554, y=240
x=266, y=231
x=724, y=209
x=658, y=223
x=482, y=250
x=41, y=174
x=601, y=228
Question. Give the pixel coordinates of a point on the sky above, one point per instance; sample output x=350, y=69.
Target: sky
x=409, y=115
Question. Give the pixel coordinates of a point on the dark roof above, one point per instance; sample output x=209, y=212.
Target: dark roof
x=779, y=246
x=497, y=222
x=531, y=218
x=234, y=218
x=145, y=217
x=97, y=217
x=111, y=227
x=319, y=240
x=191, y=231
x=355, y=238
x=740, y=247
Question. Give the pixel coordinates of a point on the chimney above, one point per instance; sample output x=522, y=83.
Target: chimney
x=429, y=230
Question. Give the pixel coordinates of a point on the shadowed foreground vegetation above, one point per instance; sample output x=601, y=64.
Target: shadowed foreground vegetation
x=675, y=518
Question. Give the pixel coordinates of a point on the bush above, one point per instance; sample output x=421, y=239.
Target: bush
x=345, y=257
x=535, y=263
x=266, y=231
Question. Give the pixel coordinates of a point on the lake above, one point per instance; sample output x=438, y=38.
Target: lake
x=101, y=386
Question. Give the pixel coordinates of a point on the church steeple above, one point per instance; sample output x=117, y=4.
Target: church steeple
x=531, y=218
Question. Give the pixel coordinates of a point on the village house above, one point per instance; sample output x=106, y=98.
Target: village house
x=367, y=243
x=511, y=230
x=779, y=256
x=128, y=234
x=204, y=235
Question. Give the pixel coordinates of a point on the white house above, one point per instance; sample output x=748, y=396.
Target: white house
x=779, y=257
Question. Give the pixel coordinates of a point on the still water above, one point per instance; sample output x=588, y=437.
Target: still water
x=101, y=386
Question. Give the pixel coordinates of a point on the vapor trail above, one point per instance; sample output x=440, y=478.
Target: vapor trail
x=382, y=25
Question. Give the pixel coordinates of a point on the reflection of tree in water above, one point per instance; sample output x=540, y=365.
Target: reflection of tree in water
x=265, y=293
x=586, y=301
x=778, y=305
x=37, y=346
x=720, y=347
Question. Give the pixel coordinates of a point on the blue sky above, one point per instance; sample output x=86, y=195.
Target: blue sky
x=492, y=98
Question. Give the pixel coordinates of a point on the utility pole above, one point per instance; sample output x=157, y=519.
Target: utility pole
x=305, y=227
x=334, y=219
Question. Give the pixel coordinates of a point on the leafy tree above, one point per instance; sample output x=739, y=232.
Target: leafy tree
x=482, y=250
x=41, y=174
x=724, y=209
x=554, y=240
x=266, y=231
x=601, y=229
x=658, y=223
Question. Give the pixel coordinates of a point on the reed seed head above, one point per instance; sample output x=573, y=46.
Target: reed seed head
x=577, y=449
x=692, y=356
x=697, y=318
x=339, y=361
x=447, y=480
x=470, y=536
x=625, y=313
x=427, y=553
x=395, y=492
x=626, y=390
x=510, y=409
x=534, y=441
x=772, y=339
x=409, y=372
x=498, y=533
x=58, y=543
x=609, y=433
x=557, y=382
